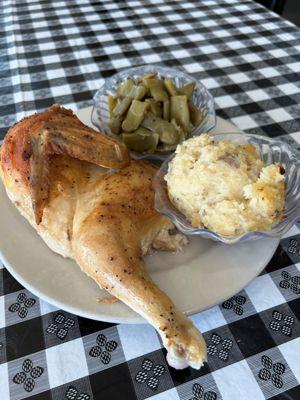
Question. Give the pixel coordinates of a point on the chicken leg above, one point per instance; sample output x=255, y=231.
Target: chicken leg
x=107, y=244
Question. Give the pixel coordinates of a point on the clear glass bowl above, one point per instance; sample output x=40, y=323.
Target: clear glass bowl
x=202, y=99
x=271, y=151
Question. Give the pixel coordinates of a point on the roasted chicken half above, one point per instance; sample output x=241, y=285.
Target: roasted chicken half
x=52, y=168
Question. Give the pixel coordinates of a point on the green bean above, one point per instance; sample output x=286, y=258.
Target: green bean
x=115, y=124
x=166, y=110
x=180, y=111
x=148, y=75
x=181, y=133
x=170, y=86
x=134, y=116
x=137, y=92
x=145, y=83
x=121, y=107
x=187, y=89
x=129, y=89
x=167, y=132
x=154, y=107
x=124, y=88
x=141, y=140
x=195, y=113
x=157, y=89
x=117, y=115
x=166, y=147
x=112, y=102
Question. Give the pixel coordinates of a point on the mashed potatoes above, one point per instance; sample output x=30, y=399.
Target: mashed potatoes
x=225, y=187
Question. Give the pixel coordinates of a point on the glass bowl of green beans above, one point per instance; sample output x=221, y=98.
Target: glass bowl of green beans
x=152, y=109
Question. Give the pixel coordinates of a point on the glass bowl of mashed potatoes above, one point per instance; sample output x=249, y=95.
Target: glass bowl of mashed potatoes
x=152, y=108
x=230, y=187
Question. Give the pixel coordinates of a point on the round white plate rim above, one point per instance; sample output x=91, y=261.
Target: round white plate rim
x=84, y=116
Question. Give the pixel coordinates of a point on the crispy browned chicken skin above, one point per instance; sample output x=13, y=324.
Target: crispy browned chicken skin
x=103, y=219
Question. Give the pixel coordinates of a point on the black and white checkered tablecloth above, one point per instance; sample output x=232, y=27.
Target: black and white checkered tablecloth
x=61, y=51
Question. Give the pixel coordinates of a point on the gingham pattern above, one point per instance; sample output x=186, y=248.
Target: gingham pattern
x=60, y=51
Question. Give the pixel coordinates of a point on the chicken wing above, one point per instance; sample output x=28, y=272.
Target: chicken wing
x=103, y=219
x=58, y=132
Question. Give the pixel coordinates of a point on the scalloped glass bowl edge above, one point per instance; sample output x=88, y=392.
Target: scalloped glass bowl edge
x=271, y=150
x=202, y=98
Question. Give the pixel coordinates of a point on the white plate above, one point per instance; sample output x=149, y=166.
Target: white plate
x=204, y=274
